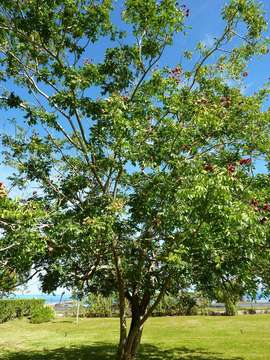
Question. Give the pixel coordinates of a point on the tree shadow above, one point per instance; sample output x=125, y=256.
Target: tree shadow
x=102, y=351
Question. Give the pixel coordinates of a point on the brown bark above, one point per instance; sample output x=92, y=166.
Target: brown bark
x=122, y=303
x=129, y=349
x=123, y=335
x=140, y=310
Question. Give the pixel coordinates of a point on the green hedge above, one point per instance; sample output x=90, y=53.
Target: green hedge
x=42, y=315
x=99, y=306
x=13, y=308
x=184, y=303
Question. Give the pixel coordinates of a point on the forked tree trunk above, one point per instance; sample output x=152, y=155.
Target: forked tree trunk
x=129, y=348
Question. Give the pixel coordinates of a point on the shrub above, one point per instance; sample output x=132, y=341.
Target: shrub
x=7, y=311
x=72, y=311
x=185, y=303
x=13, y=308
x=41, y=315
x=202, y=305
x=99, y=306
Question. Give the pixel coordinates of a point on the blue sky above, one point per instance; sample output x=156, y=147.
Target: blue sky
x=206, y=23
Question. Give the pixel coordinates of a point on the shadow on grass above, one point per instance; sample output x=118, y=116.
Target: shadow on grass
x=100, y=351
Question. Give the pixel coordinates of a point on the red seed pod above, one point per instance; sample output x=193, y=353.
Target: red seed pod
x=245, y=161
x=231, y=168
x=266, y=207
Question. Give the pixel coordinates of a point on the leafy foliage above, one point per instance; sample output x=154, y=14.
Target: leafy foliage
x=11, y=309
x=22, y=240
x=148, y=184
x=42, y=315
x=185, y=303
x=99, y=306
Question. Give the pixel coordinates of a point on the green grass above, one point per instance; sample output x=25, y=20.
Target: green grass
x=172, y=338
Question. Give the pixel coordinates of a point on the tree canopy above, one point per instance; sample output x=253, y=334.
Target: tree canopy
x=21, y=242
x=146, y=173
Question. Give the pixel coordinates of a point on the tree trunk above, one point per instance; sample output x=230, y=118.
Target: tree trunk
x=78, y=312
x=123, y=333
x=230, y=307
x=122, y=304
x=128, y=349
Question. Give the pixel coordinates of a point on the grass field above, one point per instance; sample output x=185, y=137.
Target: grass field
x=172, y=338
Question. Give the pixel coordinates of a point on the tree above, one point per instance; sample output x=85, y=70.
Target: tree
x=145, y=171
x=21, y=240
x=230, y=285
x=260, y=203
x=228, y=291
x=218, y=278
x=230, y=294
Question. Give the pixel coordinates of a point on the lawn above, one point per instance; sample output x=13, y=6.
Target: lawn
x=171, y=338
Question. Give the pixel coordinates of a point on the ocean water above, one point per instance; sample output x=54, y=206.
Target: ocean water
x=49, y=298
